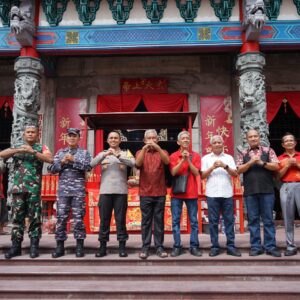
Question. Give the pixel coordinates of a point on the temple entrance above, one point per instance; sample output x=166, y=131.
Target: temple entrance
x=285, y=120
x=6, y=121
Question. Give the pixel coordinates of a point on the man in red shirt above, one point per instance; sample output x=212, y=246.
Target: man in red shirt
x=183, y=162
x=289, y=173
x=152, y=189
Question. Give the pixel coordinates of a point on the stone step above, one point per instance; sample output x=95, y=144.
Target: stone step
x=70, y=289
x=133, y=260
x=145, y=273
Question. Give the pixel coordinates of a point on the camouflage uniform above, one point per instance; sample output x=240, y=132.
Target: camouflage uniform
x=26, y=194
x=71, y=190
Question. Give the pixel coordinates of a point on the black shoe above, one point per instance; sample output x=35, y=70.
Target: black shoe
x=274, y=252
x=256, y=252
x=176, y=252
x=59, y=250
x=144, y=254
x=15, y=250
x=102, y=250
x=161, y=252
x=195, y=251
x=290, y=252
x=234, y=252
x=122, y=250
x=214, y=252
x=34, y=248
x=79, y=252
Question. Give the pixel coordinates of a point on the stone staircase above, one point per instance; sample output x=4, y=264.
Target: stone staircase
x=185, y=277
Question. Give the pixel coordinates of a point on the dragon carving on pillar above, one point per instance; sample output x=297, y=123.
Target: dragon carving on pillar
x=252, y=95
x=22, y=22
x=254, y=18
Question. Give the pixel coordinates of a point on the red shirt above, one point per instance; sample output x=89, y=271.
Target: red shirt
x=293, y=173
x=152, y=175
x=192, y=187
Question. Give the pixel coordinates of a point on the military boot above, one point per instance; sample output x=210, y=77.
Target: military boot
x=15, y=250
x=79, y=248
x=34, y=248
x=102, y=250
x=59, y=250
x=122, y=250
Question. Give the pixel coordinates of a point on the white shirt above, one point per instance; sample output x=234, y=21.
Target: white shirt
x=218, y=183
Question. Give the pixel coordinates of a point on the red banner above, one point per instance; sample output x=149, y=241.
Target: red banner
x=216, y=119
x=144, y=86
x=67, y=116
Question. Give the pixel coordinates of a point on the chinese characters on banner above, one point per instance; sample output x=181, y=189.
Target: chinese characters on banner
x=216, y=119
x=67, y=116
x=144, y=85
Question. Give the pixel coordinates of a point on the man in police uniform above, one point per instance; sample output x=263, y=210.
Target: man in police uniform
x=26, y=190
x=71, y=163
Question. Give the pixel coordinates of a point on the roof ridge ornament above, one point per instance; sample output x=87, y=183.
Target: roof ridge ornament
x=54, y=10
x=120, y=10
x=87, y=10
x=154, y=9
x=188, y=9
x=223, y=8
x=297, y=3
x=273, y=8
x=5, y=6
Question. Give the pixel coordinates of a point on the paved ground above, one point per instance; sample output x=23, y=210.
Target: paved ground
x=134, y=242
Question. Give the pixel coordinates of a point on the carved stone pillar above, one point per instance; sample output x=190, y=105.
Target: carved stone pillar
x=26, y=97
x=26, y=103
x=252, y=95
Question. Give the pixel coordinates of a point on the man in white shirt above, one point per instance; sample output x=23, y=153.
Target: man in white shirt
x=218, y=168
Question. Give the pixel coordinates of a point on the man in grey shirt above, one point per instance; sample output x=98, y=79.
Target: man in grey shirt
x=113, y=191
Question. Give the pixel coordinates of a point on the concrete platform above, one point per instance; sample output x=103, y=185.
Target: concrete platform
x=242, y=241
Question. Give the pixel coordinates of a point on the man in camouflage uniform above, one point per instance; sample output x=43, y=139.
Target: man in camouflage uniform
x=26, y=190
x=71, y=163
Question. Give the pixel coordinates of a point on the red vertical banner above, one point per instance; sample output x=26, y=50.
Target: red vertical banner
x=216, y=119
x=67, y=116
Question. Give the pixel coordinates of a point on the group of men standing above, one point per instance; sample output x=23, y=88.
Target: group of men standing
x=258, y=165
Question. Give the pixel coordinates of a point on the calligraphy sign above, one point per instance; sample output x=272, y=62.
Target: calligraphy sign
x=67, y=115
x=216, y=119
x=144, y=86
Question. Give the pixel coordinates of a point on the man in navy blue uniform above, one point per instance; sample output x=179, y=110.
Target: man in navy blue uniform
x=71, y=163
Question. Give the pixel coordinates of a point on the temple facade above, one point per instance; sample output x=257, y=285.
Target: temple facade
x=233, y=62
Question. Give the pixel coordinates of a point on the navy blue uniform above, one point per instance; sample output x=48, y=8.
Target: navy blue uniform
x=71, y=190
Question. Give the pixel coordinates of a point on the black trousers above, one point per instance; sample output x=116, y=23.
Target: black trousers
x=108, y=203
x=153, y=210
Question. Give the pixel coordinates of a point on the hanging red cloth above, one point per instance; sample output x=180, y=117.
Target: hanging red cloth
x=118, y=103
x=114, y=103
x=129, y=103
x=274, y=102
x=166, y=102
x=8, y=99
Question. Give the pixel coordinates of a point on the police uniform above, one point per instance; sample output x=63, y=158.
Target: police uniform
x=71, y=190
x=113, y=192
